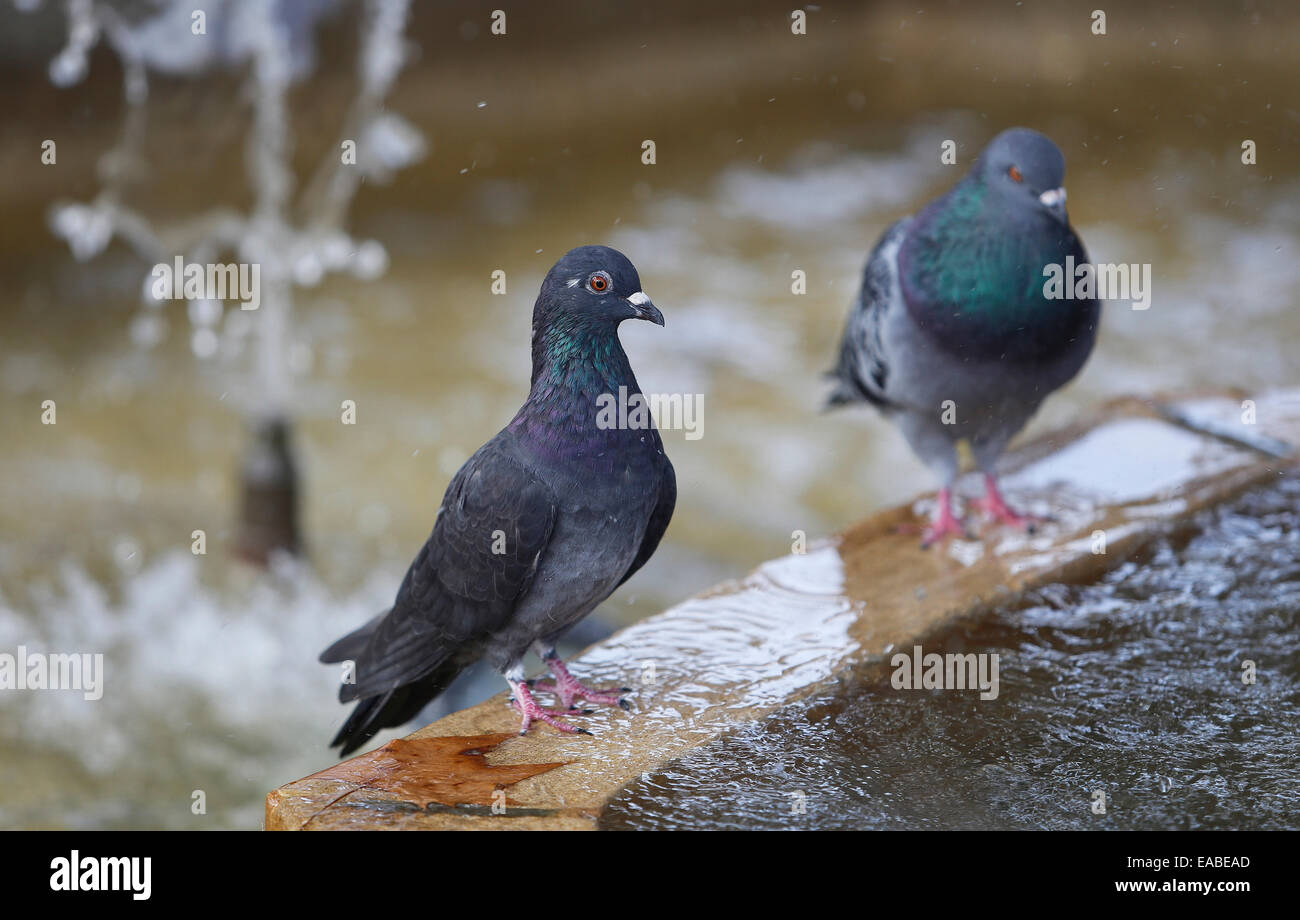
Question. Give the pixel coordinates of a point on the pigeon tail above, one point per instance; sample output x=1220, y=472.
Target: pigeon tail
x=396, y=707
x=351, y=645
x=383, y=710
x=848, y=390
x=842, y=392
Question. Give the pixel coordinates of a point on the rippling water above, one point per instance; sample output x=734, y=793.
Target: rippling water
x=1132, y=687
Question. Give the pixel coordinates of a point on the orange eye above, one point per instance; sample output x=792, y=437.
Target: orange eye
x=1015, y=174
x=599, y=282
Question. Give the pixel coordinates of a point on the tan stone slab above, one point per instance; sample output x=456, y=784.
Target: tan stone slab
x=745, y=649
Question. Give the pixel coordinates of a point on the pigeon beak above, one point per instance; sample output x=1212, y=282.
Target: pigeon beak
x=1054, y=200
x=642, y=308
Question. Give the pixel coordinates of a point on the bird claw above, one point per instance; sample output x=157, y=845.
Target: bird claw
x=1003, y=515
x=571, y=690
x=941, y=530
x=994, y=506
x=568, y=688
x=532, y=712
x=945, y=523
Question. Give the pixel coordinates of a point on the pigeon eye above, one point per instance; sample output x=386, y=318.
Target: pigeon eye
x=1014, y=173
x=599, y=282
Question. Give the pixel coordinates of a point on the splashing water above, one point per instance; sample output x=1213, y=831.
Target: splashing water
x=205, y=689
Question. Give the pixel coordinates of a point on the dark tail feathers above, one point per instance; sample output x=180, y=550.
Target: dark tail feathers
x=842, y=393
x=386, y=710
x=391, y=709
x=349, y=648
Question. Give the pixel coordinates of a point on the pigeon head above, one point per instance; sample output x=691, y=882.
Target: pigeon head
x=1024, y=168
x=593, y=287
x=583, y=299
x=971, y=266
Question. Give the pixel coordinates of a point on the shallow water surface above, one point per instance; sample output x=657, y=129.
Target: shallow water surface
x=1132, y=687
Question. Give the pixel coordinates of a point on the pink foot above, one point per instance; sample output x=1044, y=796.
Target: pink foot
x=945, y=523
x=568, y=689
x=995, y=506
x=529, y=708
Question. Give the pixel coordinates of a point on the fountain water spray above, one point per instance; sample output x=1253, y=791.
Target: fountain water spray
x=293, y=239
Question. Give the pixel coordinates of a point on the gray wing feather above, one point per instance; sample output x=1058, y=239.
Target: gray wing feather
x=659, y=519
x=862, y=374
x=458, y=590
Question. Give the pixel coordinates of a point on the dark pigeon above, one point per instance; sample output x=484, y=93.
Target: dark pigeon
x=576, y=505
x=952, y=308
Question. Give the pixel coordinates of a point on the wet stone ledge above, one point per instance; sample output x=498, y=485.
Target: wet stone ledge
x=737, y=653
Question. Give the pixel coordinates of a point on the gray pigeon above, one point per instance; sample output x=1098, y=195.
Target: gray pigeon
x=953, y=336
x=538, y=527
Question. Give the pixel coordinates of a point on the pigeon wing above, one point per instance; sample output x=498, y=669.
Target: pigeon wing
x=492, y=530
x=659, y=518
x=863, y=369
